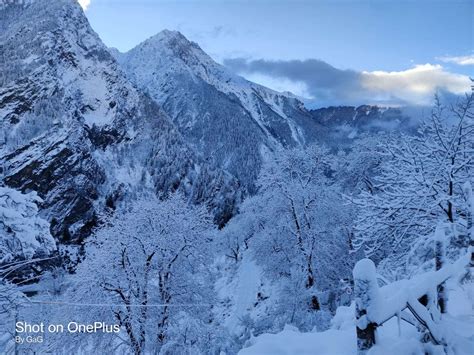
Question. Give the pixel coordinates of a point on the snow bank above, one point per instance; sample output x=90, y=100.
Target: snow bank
x=290, y=341
x=242, y=290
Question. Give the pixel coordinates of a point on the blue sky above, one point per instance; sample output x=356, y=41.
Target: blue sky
x=384, y=44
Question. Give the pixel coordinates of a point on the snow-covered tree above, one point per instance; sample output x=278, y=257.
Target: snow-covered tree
x=297, y=231
x=24, y=240
x=150, y=263
x=23, y=234
x=420, y=184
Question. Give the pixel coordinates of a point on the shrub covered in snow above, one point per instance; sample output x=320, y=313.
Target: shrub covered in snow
x=23, y=233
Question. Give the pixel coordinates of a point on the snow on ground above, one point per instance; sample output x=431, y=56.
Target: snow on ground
x=393, y=338
x=291, y=342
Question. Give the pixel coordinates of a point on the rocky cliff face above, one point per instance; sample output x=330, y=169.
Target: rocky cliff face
x=75, y=129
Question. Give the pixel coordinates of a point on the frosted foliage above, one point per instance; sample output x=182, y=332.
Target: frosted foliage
x=419, y=184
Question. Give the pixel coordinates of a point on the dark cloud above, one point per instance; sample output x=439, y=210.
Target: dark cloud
x=325, y=83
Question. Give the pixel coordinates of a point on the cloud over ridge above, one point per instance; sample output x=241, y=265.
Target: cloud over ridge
x=328, y=85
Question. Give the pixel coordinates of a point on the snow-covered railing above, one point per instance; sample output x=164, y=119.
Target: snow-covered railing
x=375, y=306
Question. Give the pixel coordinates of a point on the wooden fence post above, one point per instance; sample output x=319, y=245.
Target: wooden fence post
x=366, y=292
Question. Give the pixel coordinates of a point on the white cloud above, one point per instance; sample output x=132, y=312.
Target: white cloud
x=416, y=85
x=84, y=3
x=461, y=60
x=280, y=84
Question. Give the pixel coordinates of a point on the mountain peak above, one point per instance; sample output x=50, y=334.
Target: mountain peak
x=170, y=37
x=212, y=106
x=176, y=44
x=170, y=34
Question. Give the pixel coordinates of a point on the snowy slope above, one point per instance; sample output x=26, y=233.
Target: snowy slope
x=239, y=289
x=227, y=118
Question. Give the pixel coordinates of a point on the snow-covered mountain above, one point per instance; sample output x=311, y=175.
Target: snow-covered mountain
x=233, y=122
x=82, y=129
x=74, y=129
x=228, y=119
